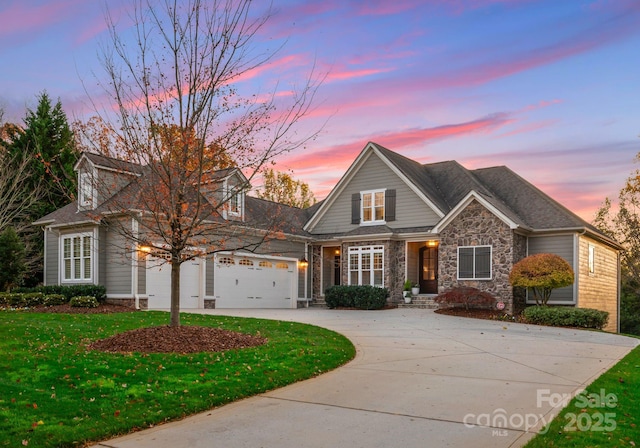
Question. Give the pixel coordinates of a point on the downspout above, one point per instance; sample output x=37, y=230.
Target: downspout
x=619, y=287
x=307, y=256
x=576, y=258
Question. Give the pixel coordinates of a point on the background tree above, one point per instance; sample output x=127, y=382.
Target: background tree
x=12, y=265
x=621, y=221
x=281, y=187
x=174, y=80
x=542, y=273
x=96, y=135
x=47, y=138
x=39, y=158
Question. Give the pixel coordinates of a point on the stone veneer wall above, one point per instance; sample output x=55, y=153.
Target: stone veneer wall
x=316, y=277
x=477, y=226
x=397, y=268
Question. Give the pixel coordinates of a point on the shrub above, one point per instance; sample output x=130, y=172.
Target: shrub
x=16, y=300
x=69, y=291
x=21, y=300
x=32, y=298
x=84, y=302
x=566, y=316
x=350, y=296
x=542, y=273
x=54, y=299
x=467, y=297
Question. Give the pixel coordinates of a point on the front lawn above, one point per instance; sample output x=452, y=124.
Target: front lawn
x=606, y=415
x=56, y=392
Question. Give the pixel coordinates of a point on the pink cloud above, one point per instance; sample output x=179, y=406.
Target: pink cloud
x=23, y=17
x=351, y=74
x=529, y=127
x=342, y=155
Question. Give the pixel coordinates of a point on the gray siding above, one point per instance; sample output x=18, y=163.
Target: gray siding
x=52, y=245
x=209, y=274
x=142, y=274
x=374, y=174
x=110, y=182
x=118, y=265
x=560, y=245
x=102, y=256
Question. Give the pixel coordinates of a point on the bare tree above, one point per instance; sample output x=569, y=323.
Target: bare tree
x=18, y=196
x=181, y=116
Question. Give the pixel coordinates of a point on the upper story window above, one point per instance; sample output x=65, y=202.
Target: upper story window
x=77, y=258
x=86, y=191
x=474, y=263
x=372, y=206
x=235, y=204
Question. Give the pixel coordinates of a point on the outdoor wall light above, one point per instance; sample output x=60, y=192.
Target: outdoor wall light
x=303, y=262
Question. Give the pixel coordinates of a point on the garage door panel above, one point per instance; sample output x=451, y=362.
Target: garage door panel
x=249, y=282
x=159, y=283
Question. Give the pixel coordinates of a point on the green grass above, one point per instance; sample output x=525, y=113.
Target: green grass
x=54, y=392
x=595, y=422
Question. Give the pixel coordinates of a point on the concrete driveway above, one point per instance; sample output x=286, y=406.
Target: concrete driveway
x=419, y=379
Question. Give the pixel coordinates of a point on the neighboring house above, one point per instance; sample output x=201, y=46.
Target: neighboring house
x=388, y=219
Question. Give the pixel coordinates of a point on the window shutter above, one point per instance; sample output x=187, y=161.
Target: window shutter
x=355, y=208
x=390, y=205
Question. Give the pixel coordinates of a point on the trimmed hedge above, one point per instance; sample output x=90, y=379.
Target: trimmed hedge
x=83, y=302
x=566, y=316
x=21, y=300
x=69, y=291
x=362, y=297
x=55, y=299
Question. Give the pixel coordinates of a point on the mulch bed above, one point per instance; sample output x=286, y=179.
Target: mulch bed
x=183, y=339
x=163, y=339
x=103, y=308
x=480, y=314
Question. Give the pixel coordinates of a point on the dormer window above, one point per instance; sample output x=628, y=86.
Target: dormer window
x=86, y=192
x=235, y=205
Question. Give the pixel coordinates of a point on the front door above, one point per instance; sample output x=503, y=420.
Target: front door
x=429, y=270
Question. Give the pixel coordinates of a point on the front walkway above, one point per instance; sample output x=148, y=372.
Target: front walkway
x=419, y=379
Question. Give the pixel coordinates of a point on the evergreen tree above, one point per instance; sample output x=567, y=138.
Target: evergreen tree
x=48, y=140
x=46, y=143
x=12, y=264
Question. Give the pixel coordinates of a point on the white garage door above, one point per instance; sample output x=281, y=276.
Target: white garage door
x=254, y=282
x=159, y=283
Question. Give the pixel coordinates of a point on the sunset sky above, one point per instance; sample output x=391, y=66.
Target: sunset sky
x=550, y=88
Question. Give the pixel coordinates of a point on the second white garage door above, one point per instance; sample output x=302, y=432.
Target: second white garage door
x=159, y=283
x=254, y=282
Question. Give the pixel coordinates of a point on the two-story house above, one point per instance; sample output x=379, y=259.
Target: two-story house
x=388, y=219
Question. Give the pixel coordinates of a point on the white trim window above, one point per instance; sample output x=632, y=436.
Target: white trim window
x=366, y=265
x=372, y=211
x=474, y=263
x=235, y=204
x=592, y=259
x=76, y=258
x=86, y=193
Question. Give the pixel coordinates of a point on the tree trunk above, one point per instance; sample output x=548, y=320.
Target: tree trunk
x=175, y=292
